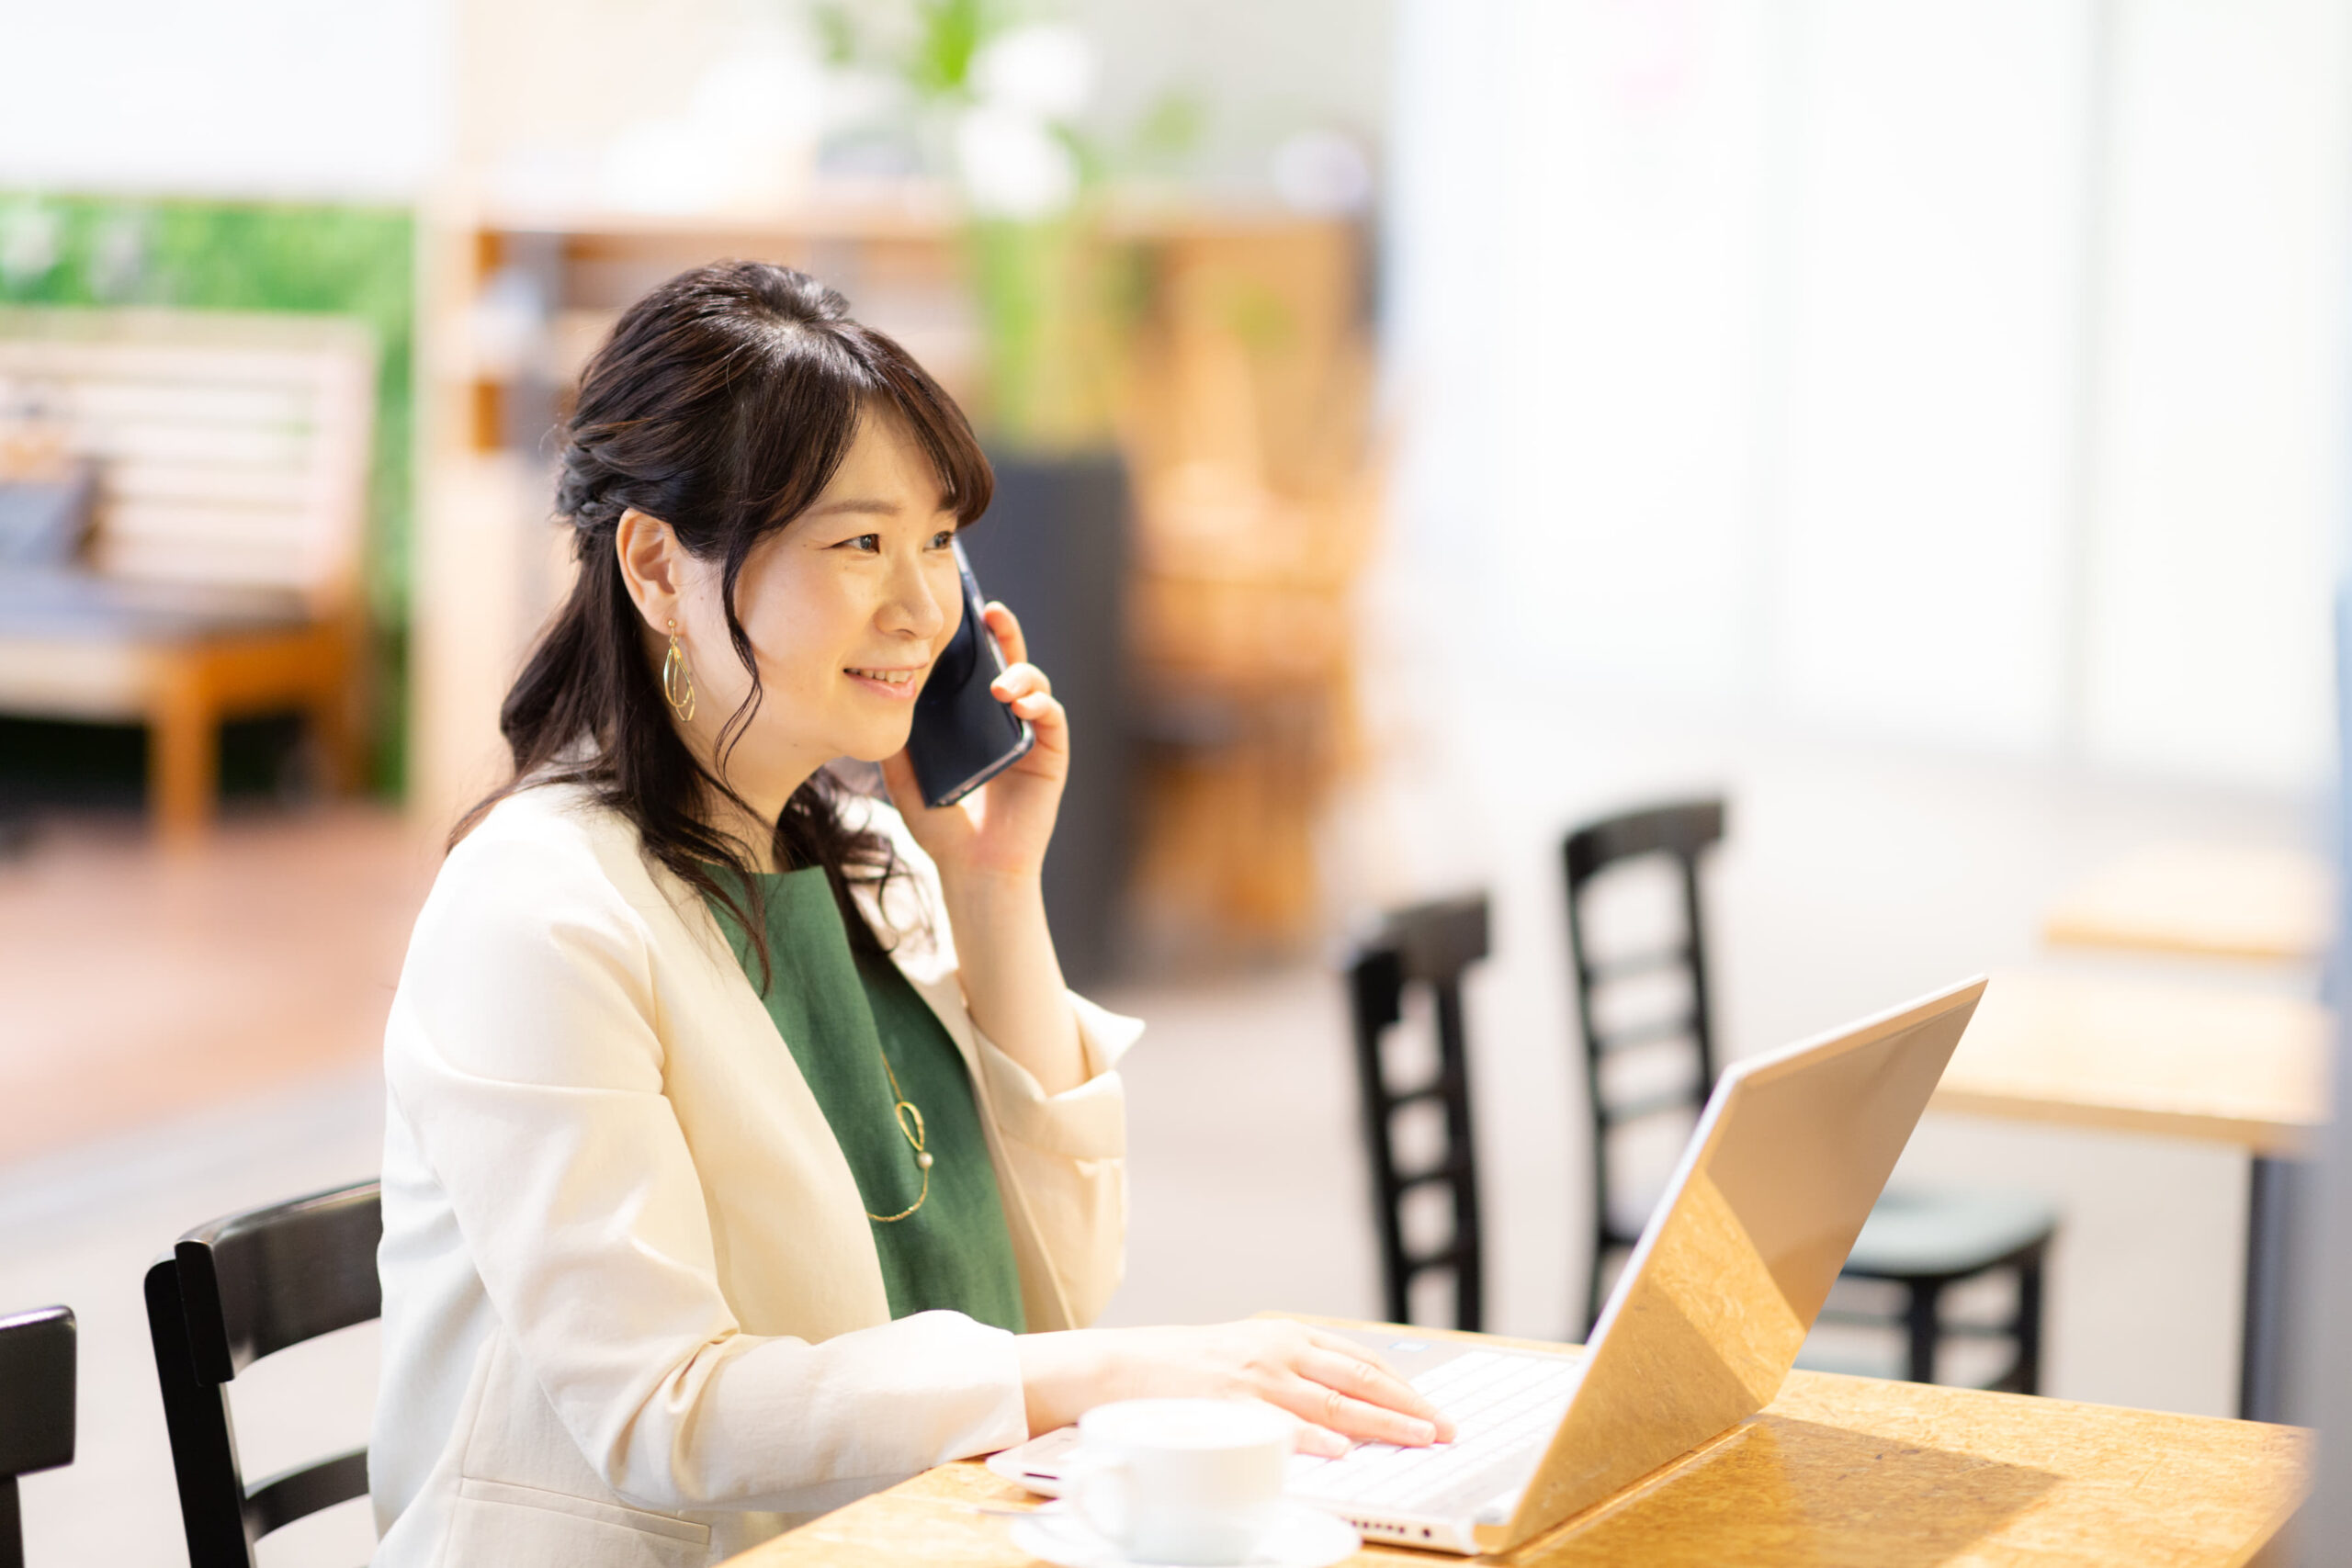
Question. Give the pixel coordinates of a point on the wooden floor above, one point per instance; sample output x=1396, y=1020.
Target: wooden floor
x=140, y=985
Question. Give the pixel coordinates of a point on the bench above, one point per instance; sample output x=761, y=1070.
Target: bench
x=219, y=577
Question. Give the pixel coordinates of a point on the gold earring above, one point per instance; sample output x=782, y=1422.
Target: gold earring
x=678, y=680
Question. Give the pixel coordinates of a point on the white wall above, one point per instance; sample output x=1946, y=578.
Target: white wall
x=237, y=97
x=2219, y=448
x=1930, y=236
x=1965, y=370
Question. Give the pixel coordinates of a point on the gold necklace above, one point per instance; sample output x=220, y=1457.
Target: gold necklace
x=910, y=1119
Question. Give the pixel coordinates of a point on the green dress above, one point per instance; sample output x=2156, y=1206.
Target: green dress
x=840, y=1011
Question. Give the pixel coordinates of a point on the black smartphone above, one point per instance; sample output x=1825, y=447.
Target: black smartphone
x=963, y=736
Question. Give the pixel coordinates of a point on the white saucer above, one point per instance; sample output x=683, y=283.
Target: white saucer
x=1303, y=1536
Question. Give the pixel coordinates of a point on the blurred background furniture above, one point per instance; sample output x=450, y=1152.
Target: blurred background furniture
x=2192, y=1062
x=217, y=572
x=1259, y=483
x=229, y=1294
x=2235, y=1067
x=37, y=1377
x=1423, y=1153
x=1651, y=1061
x=2202, y=900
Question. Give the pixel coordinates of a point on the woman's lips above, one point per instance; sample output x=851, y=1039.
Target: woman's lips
x=899, y=685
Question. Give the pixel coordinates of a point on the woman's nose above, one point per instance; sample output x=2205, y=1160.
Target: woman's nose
x=914, y=606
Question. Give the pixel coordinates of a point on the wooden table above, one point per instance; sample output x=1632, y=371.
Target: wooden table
x=1836, y=1470
x=2206, y=899
x=2240, y=1068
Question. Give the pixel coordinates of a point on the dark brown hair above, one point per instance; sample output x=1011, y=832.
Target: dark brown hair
x=722, y=404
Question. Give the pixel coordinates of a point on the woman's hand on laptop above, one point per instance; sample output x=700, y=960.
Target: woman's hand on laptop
x=1338, y=1390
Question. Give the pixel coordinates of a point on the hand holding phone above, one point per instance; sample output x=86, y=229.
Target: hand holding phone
x=963, y=735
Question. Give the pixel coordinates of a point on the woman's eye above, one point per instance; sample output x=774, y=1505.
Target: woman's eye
x=944, y=539
x=871, y=544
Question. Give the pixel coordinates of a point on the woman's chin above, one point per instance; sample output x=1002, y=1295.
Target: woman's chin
x=881, y=747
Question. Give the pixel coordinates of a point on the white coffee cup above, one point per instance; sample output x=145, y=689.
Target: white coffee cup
x=1181, y=1480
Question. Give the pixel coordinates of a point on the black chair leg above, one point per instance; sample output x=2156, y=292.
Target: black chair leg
x=2027, y=1376
x=1926, y=1327
x=1597, y=1292
x=12, y=1525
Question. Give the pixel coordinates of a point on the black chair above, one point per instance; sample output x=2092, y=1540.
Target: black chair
x=228, y=1295
x=1924, y=1243
x=36, y=1410
x=1431, y=946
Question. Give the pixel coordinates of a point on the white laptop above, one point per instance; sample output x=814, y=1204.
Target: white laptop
x=1790, y=1155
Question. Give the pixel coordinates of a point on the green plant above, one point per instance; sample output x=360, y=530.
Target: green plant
x=993, y=93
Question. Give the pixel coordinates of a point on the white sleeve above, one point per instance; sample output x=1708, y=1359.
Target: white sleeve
x=1066, y=1156
x=522, y=1055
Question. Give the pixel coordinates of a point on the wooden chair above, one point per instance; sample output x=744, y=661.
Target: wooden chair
x=1431, y=946
x=220, y=576
x=228, y=1295
x=37, y=1357
x=1923, y=1242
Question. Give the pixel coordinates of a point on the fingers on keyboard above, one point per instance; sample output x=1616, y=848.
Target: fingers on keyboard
x=1367, y=1384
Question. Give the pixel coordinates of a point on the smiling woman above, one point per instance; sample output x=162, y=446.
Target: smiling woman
x=745, y=1151
x=729, y=402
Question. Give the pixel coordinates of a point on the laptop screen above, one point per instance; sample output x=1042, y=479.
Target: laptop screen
x=1791, y=1153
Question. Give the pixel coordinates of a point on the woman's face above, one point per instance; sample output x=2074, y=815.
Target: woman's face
x=847, y=607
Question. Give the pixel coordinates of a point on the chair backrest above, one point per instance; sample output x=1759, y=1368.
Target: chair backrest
x=1431, y=946
x=232, y=448
x=1679, y=833
x=36, y=1410
x=228, y=1295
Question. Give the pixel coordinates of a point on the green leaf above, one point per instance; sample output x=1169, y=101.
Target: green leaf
x=836, y=32
x=951, y=33
x=1171, y=128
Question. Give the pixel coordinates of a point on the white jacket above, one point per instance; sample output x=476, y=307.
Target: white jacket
x=632, y=1310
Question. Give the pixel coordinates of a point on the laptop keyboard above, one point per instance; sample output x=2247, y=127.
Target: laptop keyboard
x=1503, y=1407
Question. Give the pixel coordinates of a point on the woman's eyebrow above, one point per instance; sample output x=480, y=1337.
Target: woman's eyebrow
x=857, y=503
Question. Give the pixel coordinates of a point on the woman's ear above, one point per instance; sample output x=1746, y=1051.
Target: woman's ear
x=651, y=563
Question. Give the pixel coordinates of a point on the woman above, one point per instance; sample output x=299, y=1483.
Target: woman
x=745, y=1152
